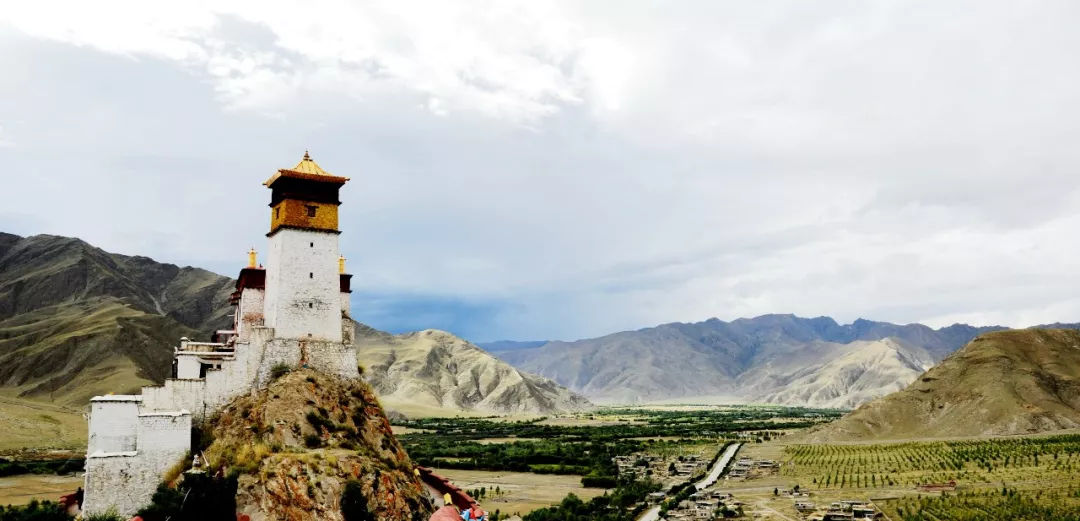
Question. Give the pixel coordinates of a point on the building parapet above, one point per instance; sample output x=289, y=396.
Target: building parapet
x=117, y=398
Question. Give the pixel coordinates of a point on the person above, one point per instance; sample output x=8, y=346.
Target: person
x=79, y=497
x=474, y=513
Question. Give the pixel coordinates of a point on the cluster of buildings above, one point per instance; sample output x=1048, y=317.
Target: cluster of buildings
x=642, y=466
x=745, y=468
x=848, y=510
x=292, y=312
x=703, y=505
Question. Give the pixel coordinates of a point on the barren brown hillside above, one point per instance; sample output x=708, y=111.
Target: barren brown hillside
x=1005, y=382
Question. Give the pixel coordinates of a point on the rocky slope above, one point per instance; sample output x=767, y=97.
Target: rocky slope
x=430, y=371
x=77, y=321
x=298, y=444
x=1007, y=382
x=855, y=373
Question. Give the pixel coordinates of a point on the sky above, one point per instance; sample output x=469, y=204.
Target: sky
x=561, y=170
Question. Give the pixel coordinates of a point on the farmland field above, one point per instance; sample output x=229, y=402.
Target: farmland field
x=570, y=460
x=19, y=490
x=1032, y=478
x=520, y=492
x=972, y=463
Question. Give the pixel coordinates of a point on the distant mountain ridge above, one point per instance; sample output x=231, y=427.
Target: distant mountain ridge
x=1001, y=383
x=76, y=321
x=770, y=358
x=434, y=372
x=510, y=345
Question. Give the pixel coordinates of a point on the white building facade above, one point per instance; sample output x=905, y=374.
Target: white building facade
x=293, y=312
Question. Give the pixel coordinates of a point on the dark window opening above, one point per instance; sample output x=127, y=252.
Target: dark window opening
x=277, y=212
x=310, y=305
x=311, y=211
x=311, y=275
x=311, y=244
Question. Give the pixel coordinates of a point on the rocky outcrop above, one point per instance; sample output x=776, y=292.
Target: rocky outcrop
x=308, y=440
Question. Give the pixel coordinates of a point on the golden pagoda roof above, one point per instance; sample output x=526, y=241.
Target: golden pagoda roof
x=307, y=168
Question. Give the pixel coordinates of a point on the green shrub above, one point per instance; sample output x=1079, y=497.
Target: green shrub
x=199, y=497
x=111, y=515
x=598, y=482
x=279, y=370
x=34, y=511
x=313, y=441
x=354, y=505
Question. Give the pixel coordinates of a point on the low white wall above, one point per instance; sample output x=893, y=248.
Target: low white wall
x=249, y=312
x=187, y=366
x=177, y=395
x=124, y=482
x=113, y=423
x=168, y=433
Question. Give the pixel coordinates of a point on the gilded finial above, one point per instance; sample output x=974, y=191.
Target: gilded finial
x=251, y=258
x=341, y=264
x=307, y=157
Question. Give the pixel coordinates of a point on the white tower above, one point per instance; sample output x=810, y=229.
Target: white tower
x=303, y=283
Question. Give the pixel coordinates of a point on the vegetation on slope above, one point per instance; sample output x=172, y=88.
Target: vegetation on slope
x=76, y=321
x=296, y=446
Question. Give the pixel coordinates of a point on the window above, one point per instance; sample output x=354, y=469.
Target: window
x=310, y=305
x=311, y=244
x=310, y=210
x=311, y=275
x=277, y=212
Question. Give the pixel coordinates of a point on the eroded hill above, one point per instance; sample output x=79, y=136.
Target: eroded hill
x=428, y=372
x=1006, y=382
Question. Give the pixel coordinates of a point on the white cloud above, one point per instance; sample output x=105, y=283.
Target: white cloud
x=5, y=141
x=506, y=60
x=588, y=166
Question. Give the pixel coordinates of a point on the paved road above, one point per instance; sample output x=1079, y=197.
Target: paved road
x=651, y=514
x=719, y=467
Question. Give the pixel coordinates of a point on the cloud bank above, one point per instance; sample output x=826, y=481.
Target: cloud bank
x=559, y=170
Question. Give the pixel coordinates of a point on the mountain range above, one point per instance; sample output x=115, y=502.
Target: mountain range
x=1001, y=383
x=771, y=358
x=77, y=321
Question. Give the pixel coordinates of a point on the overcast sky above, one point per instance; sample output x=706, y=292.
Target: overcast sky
x=540, y=170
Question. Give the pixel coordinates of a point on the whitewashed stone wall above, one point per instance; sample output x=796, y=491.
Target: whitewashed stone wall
x=249, y=312
x=167, y=434
x=125, y=481
x=187, y=366
x=346, y=304
x=113, y=423
x=303, y=292
x=118, y=482
x=177, y=395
